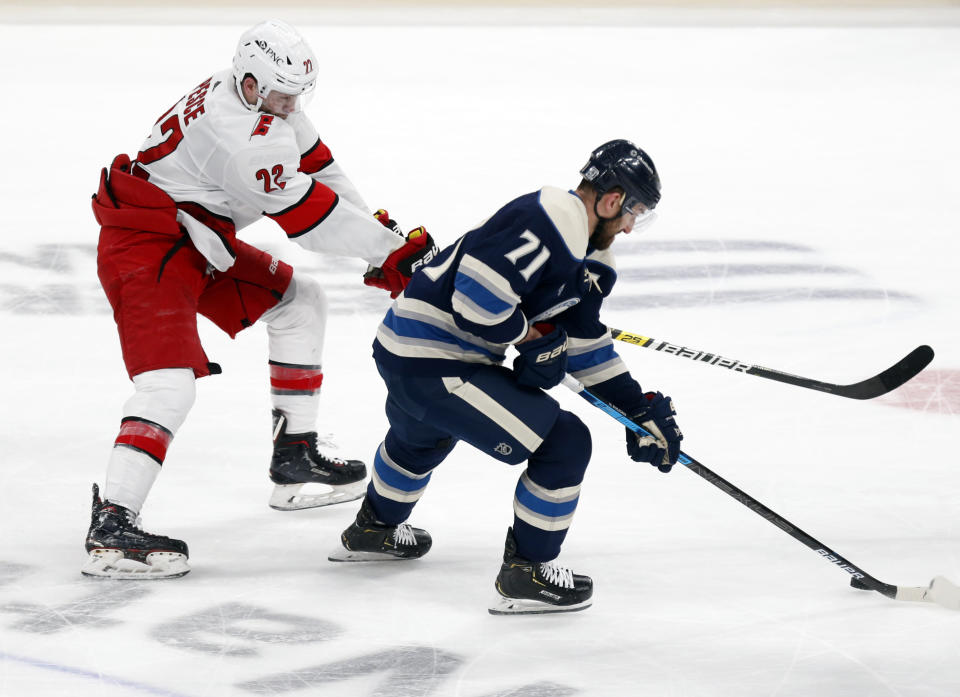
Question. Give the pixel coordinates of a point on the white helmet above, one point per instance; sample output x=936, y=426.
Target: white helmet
x=278, y=58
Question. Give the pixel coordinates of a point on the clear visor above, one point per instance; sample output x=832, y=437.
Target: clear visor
x=642, y=216
x=286, y=100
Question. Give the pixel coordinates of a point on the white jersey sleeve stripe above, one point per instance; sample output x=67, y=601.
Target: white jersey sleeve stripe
x=600, y=373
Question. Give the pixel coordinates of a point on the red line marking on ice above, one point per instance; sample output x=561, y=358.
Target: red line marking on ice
x=936, y=391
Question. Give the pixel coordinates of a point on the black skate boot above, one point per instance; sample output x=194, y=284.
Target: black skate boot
x=119, y=548
x=368, y=539
x=297, y=462
x=531, y=588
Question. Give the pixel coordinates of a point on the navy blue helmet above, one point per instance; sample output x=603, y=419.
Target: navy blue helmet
x=621, y=163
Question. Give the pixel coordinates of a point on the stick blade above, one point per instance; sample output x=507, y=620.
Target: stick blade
x=893, y=377
x=941, y=591
x=944, y=592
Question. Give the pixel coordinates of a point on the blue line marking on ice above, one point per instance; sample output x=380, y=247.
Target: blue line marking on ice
x=80, y=672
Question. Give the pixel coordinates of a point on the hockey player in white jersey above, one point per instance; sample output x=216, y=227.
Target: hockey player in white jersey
x=235, y=148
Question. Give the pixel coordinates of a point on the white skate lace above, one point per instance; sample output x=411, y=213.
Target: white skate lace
x=557, y=575
x=326, y=441
x=335, y=460
x=132, y=519
x=404, y=535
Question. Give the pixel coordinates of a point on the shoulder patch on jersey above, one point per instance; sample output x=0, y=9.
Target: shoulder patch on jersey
x=263, y=125
x=271, y=129
x=568, y=215
x=602, y=267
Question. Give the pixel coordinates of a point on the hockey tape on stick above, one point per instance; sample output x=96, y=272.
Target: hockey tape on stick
x=940, y=590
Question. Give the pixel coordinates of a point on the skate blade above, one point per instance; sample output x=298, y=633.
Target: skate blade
x=344, y=554
x=520, y=606
x=110, y=563
x=287, y=497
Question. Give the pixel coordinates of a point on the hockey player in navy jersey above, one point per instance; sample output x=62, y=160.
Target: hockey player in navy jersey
x=532, y=276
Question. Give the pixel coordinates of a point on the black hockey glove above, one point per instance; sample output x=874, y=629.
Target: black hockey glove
x=662, y=448
x=542, y=362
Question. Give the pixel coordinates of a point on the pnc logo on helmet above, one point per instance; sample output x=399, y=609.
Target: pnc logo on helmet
x=271, y=54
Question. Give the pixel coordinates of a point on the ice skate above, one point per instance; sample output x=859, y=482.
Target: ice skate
x=298, y=464
x=368, y=539
x=118, y=548
x=534, y=588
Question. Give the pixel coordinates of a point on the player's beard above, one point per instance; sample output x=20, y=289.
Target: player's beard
x=604, y=233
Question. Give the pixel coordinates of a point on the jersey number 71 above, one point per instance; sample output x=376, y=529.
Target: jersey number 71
x=531, y=245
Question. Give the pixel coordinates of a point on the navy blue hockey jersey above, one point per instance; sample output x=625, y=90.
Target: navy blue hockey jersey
x=529, y=262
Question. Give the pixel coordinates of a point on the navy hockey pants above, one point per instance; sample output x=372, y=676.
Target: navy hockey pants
x=491, y=412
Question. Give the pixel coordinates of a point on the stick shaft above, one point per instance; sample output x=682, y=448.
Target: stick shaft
x=864, y=579
x=890, y=379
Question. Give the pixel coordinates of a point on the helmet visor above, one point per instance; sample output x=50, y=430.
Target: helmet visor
x=632, y=206
x=281, y=102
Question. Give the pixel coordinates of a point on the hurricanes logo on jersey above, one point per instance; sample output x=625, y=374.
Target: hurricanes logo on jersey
x=263, y=125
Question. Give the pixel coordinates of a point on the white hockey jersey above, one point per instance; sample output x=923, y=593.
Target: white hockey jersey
x=226, y=166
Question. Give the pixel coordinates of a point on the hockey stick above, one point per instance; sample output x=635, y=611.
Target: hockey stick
x=940, y=591
x=890, y=379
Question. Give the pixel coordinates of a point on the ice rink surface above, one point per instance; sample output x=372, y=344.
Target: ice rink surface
x=809, y=224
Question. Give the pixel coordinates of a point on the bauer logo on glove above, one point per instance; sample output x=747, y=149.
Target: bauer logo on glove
x=394, y=274
x=430, y=251
x=550, y=355
x=542, y=362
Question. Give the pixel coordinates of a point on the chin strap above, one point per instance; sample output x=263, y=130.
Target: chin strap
x=243, y=100
x=596, y=200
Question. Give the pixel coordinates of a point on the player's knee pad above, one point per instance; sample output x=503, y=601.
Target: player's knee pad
x=304, y=306
x=297, y=324
x=162, y=396
x=418, y=458
x=563, y=456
